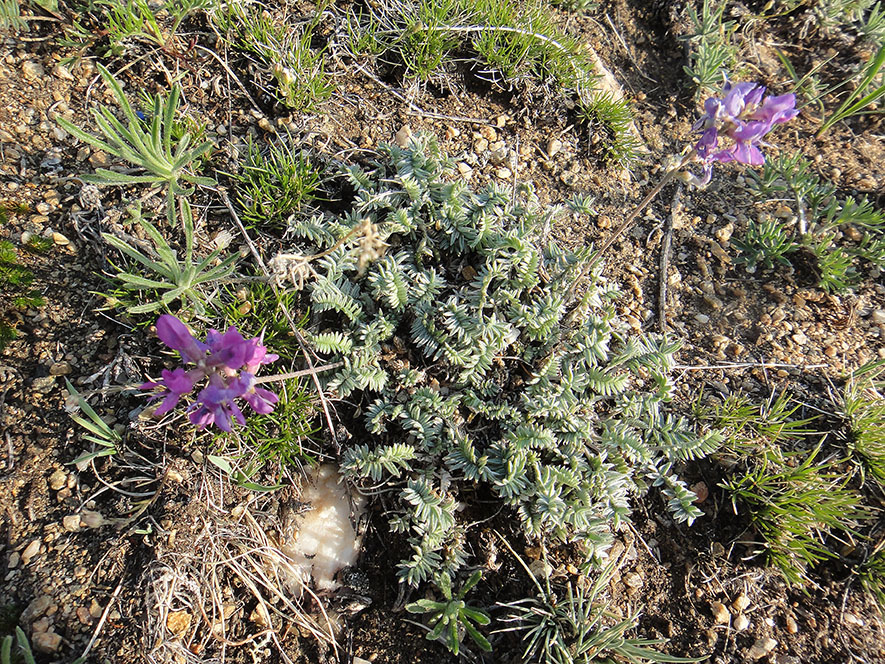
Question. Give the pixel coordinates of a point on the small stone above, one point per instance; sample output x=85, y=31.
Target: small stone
x=178, y=622
x=878, y=317
x=60, y=369
x=30, y=551
x=741, y=623
x=46, y=642
x=481, y=146
x=720, y=614
x=43, y=384
x=35, y=609
x=852, y=619
x=259, y=616
x=703, y=319
x=499, y=156
x=503, y=173
x=489, y=134
x=701, y=491
x=95, y=609
x=554, y=145
x=464, y=169
x=91, y=519
x=452, y=132
x=99, y=159
x=403, y=136
x=740, y=603
x=500, y=121
x=57, y=480
x=60, y=239
x=790, y=624
x=633, y=580
x=32, y=70
x=14, y=559
x=71, y=523
x=761, y=648
x=62, y=72
x=27, y=236
x=265, y=125
x=83, y=615
x=830, y=351
x=800, y=338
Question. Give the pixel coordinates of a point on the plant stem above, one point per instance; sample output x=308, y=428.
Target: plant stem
x=295, y=374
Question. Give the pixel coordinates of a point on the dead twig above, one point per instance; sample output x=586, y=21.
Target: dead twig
x=298, y=336
x=101, y=622
x=667, y=242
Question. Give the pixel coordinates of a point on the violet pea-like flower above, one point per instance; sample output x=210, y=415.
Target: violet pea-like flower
x=226, y=360
x=743, y=116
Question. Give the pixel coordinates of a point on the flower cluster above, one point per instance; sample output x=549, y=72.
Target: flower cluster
x=227, y=360
x=744, y=115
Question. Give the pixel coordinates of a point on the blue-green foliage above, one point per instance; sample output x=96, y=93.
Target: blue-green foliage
x=474, y=368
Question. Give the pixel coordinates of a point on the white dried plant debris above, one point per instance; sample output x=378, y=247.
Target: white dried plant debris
x=324, y=540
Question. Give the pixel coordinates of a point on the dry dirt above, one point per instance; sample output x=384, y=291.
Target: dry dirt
x=76, y=576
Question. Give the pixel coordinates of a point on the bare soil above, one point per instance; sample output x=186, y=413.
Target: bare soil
x=76, y=577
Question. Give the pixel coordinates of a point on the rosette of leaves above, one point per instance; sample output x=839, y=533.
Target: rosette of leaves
x=473, y=366
x=449, y=618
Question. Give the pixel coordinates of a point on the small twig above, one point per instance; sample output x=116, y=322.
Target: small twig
x=632, y=217
x=747, y=365
x=232, y=75
x=260, y=261
x=296, y=374
x=101, y=622
x=417, y=109
x=665, y=260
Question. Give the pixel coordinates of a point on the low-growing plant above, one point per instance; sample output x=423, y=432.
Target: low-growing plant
x=300, y=80
x=10, y=655
x=173, y=278
x=794, y=504
x=275, y=183
x=509, y=40
x=872, y=574
x=102, y=435
x=451, y=618
x=765, y=243
x=146, y=145
x=754, y=426
x=614, y=117
x=862, y=99
x=863, y=408
x=580, y=626
x=254, y=309
x=16, y=282
x=11, y=18
x=128, y=21
x=279, y=436
x=712, y=46
x=466, y=357
x=824, y=224
x=837, y=14
x=872, y=27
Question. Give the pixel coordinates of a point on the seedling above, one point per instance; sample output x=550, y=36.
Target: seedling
x=448, y=619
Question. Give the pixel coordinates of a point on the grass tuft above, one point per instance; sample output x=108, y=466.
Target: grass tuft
x=275, y=183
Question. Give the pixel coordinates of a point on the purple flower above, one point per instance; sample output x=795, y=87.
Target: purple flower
x=215, y=405
x=175, y=334
x=744, y=116
x=175, y=384
x=229, y=362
